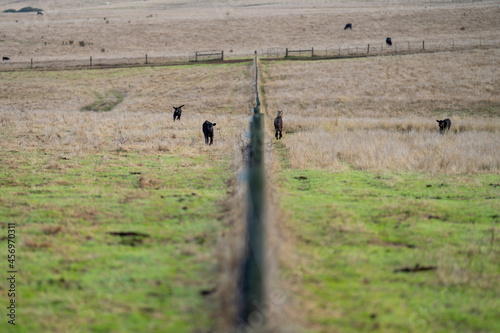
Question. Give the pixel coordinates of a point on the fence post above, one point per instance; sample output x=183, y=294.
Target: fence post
x=146, y=58
x=409, y=46
x=31, y=62
x=423, y=45
x=90, y=61
x=222, y=55
x=286, y=53
x=312, y=52
x=196, y=56
x=368, y=50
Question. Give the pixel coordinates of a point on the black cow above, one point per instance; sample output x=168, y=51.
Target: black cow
x=208, y=131
x=444, y=125
x=39, y=13
x=388, y=41
x=178, y=112
x=348, y=26
x=5, y=58
x=278, y=125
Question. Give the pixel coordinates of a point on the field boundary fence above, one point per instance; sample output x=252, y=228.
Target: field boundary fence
x=381, y=48
x=340, y=51
x=253, y=279
x=206, y=55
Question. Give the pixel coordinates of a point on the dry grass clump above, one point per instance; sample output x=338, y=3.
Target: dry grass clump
x=382, y=150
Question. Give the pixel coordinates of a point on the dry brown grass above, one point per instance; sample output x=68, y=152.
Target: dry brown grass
x=125, y=30
x=380, y=114
x=42, y=110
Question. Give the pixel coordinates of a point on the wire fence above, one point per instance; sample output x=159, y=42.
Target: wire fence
x=352, y=50
x=397, y=47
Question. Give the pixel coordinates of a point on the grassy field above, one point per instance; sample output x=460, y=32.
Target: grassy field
x=394, y=227
x=126, y=221
x=392, y=252
x=127, y=30
x=118, y=212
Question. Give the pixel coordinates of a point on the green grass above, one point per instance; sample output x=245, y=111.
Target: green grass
x=353, y=230
x=105, y=102
x=75, y=275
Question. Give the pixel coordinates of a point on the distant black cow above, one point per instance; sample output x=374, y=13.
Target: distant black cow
x=39, y=13
x=388, y=41
x=5, y=58
x=444, y=125
x=208, y=131
x=278, y=125
x=178, y=112
x=348, y=26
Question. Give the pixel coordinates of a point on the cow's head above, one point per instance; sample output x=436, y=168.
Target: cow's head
x=442, y=125
x=280, y=113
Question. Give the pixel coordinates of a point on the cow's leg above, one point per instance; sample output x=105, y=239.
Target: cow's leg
x=276, y=135
x=281, y=135
x=211, y=140
x=206, y=139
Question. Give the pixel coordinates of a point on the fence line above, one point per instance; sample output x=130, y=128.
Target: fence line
x=398, y=47
x=253, y=286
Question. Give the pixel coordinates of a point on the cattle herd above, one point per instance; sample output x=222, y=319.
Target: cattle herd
x=208, y=127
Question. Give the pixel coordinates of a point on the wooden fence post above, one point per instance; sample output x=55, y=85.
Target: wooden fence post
x=90, y=61
x=146, y=58
x=222, y=55
x=312, y=52
x=368, y=49
x=31, y=62
x=423, y=45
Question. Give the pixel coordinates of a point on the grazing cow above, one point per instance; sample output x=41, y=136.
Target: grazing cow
x=39, y=13
x=5, y=58
x=444, y=125
x=348, y=26
x=388, y=41
x=278, y=125
x=208, y=131
x=178, y=112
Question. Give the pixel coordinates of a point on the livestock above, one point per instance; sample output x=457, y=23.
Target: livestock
x=348, y=26
x=444, y=125
x=208, y=131
x=278, y=125
x=178, y=112
x=39, y=13
x=5, y=58
x=388, y=41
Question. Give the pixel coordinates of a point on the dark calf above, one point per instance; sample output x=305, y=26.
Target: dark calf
x=208, y=131
x=5, y=58
x=278, y=125
x=178, y=112
x=388, y=41
x=348, y=26
x=444, y=125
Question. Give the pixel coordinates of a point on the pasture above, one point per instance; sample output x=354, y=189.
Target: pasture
x=119, y=212
x=126, y=220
